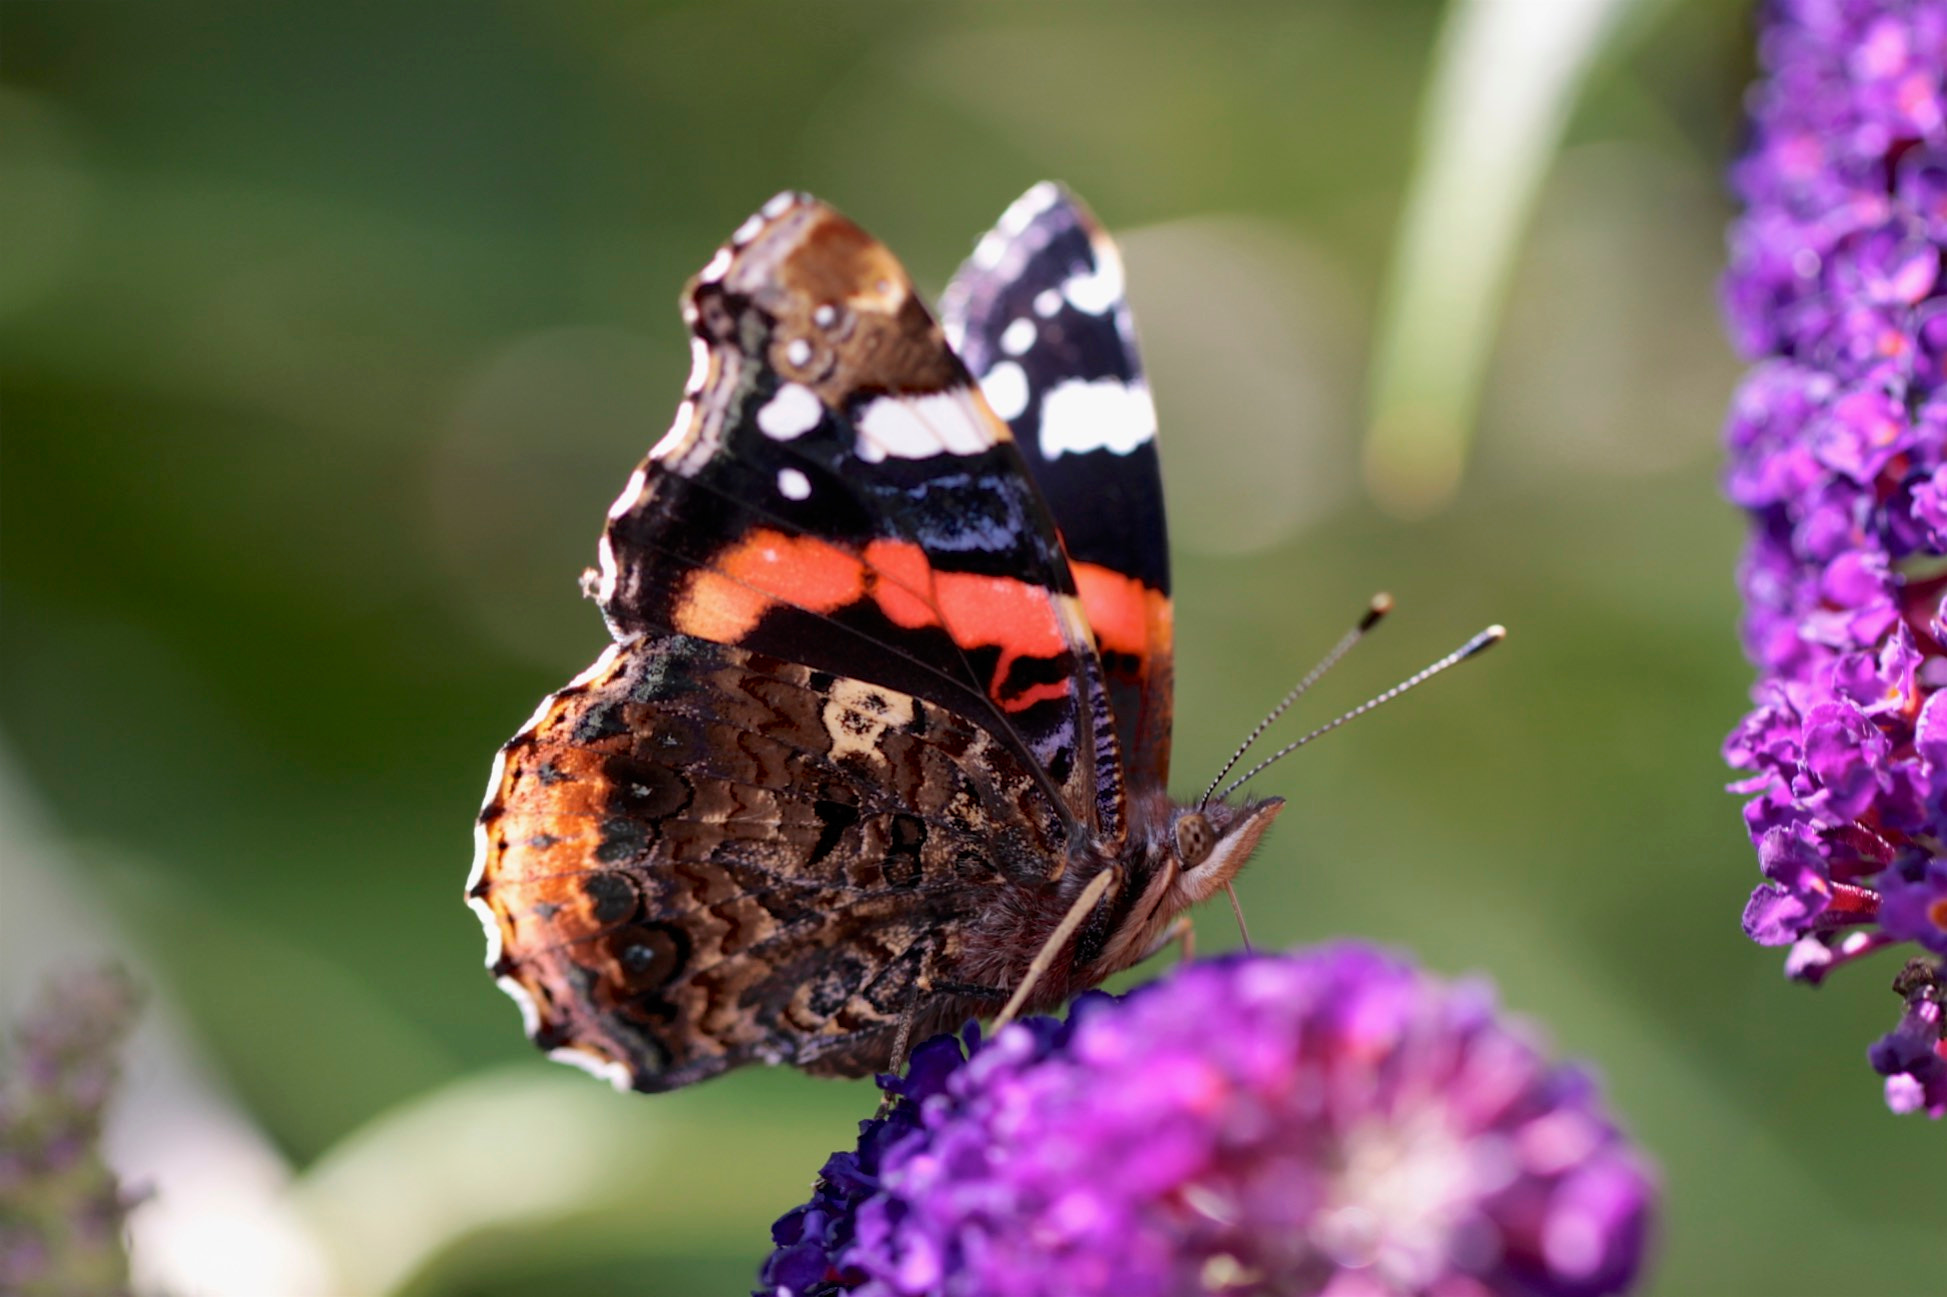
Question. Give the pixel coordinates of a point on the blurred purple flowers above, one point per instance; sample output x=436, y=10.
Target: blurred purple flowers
x=1327, y=1122
x=1838, y=442
x=61, y=1209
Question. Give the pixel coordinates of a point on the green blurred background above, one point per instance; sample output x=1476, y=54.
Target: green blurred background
x=327, y=332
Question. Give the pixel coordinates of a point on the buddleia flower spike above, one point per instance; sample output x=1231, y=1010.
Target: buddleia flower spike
x=1838, y=451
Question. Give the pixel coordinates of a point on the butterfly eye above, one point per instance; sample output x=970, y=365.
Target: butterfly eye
x=1194, y=839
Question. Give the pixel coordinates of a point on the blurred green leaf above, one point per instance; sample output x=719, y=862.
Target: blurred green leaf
x=1506, y=76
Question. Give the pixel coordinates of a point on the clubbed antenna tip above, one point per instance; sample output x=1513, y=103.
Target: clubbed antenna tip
x=1376, y=608
x=1482, y=642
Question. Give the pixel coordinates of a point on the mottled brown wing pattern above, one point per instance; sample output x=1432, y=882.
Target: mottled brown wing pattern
x=696, y=856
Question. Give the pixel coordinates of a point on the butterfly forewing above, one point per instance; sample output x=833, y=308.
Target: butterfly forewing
x=1039, y=317
x=836, y=491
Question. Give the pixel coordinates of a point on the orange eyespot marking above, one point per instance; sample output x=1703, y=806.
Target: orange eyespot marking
x=1937, y=914
x=1126, y=615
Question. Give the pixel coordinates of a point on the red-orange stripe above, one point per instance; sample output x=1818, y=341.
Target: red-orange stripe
x=1126, y=615
x=725, y=602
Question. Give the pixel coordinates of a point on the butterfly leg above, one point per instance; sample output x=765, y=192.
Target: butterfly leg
x=902, y=1040
x=1181, y=932
x=902, y=1044
x=1044, y=958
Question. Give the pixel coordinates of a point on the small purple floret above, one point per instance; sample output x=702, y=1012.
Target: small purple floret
x=61, y=1209
x=1909, y=1055
x=1838, y=451
x=1331, y=1121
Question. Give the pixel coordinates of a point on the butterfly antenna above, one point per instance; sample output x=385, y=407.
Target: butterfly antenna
x=1381, y=604
x=1479, y=644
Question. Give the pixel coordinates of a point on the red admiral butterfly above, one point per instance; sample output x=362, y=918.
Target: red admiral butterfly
x=890, y=689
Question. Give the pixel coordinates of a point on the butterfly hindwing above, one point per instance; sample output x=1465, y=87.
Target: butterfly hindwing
x=696, y=856
x=1038, y=316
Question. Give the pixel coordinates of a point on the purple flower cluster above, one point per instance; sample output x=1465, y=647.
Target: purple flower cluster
x=1327, y=1122
x=1838, y=449
x=61, y=1209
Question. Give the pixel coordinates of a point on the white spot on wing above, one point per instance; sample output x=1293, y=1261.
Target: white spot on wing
x=1099, y=290
x=987, y=252
x=593, y=671
x=1022, y=211
x=1006, y=389
x=605, y=560
x=494, y=777
x=793, y=484
x=714, y=269
x=680, y=435
x=489, y=924
x=1018, y=336
x=780, y=204
x=699, y=365
x=824, y=315
x=793, y=412
x=1047, y=302
x=748, y=230
x=608, y=1069
x=630, y=494
x=531, y=724
x=530, y=1011
x=798, y=352
x=915, y=427
x=1106, y=414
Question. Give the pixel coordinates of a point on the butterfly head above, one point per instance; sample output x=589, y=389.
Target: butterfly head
x=1211, y=843
x=1195, y=857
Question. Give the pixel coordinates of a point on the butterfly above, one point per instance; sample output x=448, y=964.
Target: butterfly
x=887, y=711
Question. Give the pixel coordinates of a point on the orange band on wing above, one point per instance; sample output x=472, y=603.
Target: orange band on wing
x=726, y=602
x=767, y=569
x=1126, y=615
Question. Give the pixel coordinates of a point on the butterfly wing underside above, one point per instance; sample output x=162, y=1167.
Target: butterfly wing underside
x=1039, y=317
x=701, y=856
x=853, y=721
